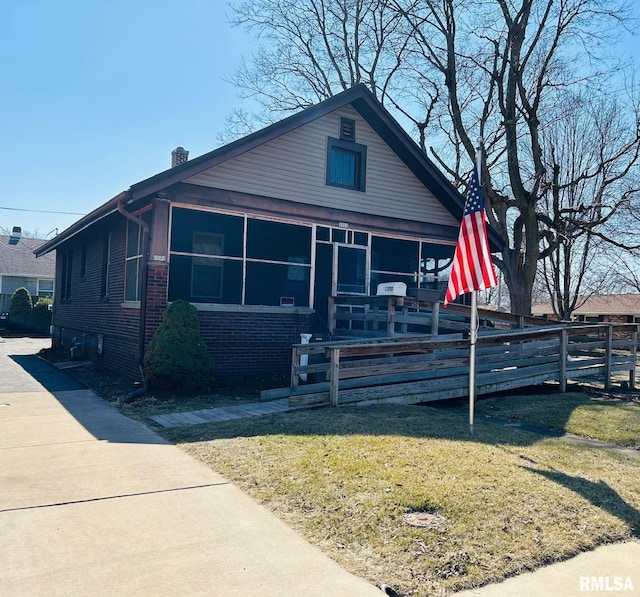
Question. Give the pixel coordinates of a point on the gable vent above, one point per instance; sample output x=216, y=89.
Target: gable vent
x=347, y=129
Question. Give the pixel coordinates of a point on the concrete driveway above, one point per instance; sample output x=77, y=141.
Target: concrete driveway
x=93, y=503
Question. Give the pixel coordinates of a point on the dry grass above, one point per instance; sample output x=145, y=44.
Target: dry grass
x=595, y=414
x=344, y=478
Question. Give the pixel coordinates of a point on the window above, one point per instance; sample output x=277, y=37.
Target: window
x=11, y=283
x=207, y=273
x=65, y=276
x=206, y=257
x=83, y=260
x=45, y=287
x=106, y=263
x=220, y=258
x=346, y=164
x=133, y=257
x=269, y=283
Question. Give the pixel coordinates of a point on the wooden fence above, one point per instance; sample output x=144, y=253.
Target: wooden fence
x=411, y=369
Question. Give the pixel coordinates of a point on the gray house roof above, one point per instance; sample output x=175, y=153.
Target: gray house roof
x=19, y=260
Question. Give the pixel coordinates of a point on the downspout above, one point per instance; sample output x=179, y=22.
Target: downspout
x=143, y=298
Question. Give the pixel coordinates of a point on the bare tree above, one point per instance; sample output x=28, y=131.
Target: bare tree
x=459, y=70
x=593, y=154
x=507, y=69
x=317, y=48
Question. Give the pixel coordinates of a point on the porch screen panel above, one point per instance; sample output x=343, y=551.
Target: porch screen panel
x=205, y=280
x=277, y=241
x=394, y=260
x=278, y=263
x=273, y=283
x=206, y=259
x=187, y=221
x=435, y=265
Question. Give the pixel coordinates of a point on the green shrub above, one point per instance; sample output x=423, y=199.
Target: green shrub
x=20, y=308
x=40, y=318
x=177, y=358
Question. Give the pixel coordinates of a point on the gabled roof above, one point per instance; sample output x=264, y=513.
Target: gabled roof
x=360, y=98
x=17, y=259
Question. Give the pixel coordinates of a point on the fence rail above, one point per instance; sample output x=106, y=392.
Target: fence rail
x=386, y=316
x=409, y=369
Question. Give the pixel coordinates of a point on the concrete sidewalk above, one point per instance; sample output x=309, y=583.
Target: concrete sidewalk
x=93, y=503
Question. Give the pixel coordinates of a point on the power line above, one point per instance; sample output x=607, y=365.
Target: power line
x=43, y=211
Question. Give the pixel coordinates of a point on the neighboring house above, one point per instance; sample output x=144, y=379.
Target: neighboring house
x=614, y=308
x=20, y=268
x=257, y=235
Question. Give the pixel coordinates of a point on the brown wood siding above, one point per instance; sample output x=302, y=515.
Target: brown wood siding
x=293, y=167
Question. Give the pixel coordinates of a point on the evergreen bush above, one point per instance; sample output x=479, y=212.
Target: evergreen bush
x=20, y=308
x=177, y=358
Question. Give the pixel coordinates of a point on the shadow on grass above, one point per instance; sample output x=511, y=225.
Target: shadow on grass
x=599, y=493
x=410, y=421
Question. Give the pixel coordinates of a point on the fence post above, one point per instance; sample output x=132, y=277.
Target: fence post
x=435, y=318
x=295, y=361
x=334, y=375
x=608, y=356
x=391, y=312
x=564, y=355
x=634, y=352
x=332, y=316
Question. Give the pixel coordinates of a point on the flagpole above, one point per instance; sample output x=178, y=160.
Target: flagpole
x=473, y=332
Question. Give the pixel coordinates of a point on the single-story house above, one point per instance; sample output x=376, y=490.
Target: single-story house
x=598, y=308
x=257, y=235
x=19, y=268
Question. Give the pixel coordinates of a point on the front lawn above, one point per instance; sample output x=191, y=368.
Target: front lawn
x=596, y=415
x=506, y=500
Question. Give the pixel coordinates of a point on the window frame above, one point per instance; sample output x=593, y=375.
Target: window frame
x=106, y=265
x=358, y=150
x=134, y=256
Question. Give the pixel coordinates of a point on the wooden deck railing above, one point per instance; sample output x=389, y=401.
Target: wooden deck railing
x=424, y=368
x=386, y=316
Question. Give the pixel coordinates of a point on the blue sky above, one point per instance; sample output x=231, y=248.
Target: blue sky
x=95, y=95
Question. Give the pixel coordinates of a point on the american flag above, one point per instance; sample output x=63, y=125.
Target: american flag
x=472, y=267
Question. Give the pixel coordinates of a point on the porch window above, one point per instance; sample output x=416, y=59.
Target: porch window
x=278, y=263
x=435, y=265
x=220, y=258
x=206, y=257
x=45, y=287
x=207, y=273
x=394, y=260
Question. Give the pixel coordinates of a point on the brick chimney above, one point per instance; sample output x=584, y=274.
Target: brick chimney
x=179, y=156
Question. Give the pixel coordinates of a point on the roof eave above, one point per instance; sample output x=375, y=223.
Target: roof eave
x=106, y=209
